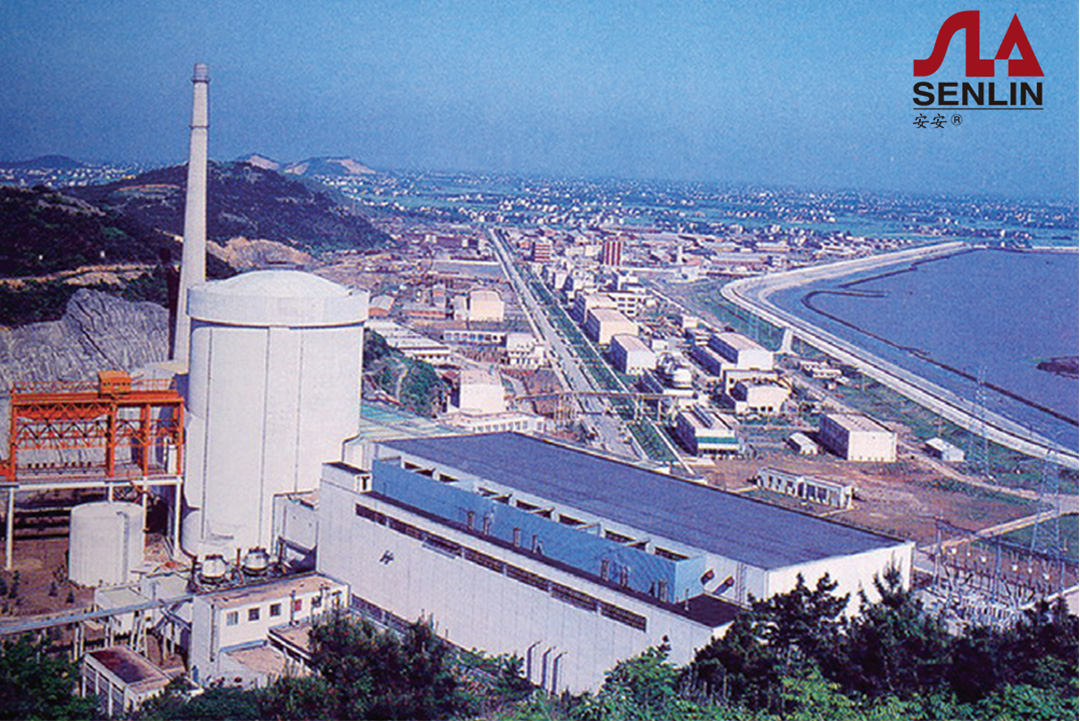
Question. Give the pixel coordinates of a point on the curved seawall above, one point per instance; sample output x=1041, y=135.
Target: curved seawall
x=754, y=295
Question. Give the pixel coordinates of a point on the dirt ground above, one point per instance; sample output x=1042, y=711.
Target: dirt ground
x=900, y=499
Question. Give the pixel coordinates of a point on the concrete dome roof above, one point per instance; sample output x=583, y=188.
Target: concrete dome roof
x=278, y=284
x=289, y=298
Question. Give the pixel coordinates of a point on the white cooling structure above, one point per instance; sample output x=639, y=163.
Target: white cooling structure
x=273, y=392
x=106, y=543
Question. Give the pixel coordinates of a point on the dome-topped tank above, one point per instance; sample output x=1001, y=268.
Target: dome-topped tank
x=273, y=392
x=106, y=542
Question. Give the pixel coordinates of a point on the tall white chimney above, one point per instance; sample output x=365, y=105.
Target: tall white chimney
x=193, y=264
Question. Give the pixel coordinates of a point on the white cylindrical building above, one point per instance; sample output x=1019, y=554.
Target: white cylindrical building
x=273, y=392
x=106, y=542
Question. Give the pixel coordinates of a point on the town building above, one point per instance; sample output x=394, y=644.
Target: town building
x=486, y=306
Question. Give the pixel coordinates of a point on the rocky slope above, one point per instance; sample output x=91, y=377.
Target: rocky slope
x=97, y=332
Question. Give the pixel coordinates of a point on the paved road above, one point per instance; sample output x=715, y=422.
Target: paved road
x=610, y=431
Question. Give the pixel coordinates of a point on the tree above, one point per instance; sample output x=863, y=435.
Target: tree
x=643, y=688
x=778, y=636
x=893, y=647
x=34, y=685
x=376, y=675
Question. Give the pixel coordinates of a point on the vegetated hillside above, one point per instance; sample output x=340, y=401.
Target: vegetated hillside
x=242, y=200
x=46, y=236
x=43, y=231
x=412, y=383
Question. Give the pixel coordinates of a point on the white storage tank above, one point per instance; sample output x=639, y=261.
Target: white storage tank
x=106, y=543
x=273, y=392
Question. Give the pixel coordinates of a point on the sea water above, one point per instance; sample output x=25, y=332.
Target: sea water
x=980, y=319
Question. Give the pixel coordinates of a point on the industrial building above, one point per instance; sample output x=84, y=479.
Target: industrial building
x=409, y=342
x=855, y=437
x=486, y=306
x=121, y=679
x=741, y=351
x=272, y=393
x=942, y=449
x=705, y=433
x=630, y=355
x=232, y=626
x=765, y=398
x=602, y=324
x=568, y=559
x=806, y=488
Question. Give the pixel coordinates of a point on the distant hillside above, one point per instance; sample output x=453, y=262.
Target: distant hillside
x=243, y=201
x=328, y=166
x=44, y=162
x=43, y=231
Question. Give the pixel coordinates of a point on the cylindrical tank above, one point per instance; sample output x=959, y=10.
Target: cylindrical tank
x=273, y=392
x=106, y=542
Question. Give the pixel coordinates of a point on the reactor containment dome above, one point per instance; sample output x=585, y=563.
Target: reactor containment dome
x=273, y=392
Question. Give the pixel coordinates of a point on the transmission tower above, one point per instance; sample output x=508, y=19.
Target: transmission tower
x=979, y=450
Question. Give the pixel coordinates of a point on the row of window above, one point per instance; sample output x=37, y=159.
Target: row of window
x=557, y=591
x=232, y=618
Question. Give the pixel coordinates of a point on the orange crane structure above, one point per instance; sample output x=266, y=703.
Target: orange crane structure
x=101, y=418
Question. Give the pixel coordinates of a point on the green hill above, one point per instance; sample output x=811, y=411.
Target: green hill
x=43, y=231
x=242, y=200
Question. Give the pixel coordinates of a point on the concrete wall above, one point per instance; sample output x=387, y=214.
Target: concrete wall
x=566, y=647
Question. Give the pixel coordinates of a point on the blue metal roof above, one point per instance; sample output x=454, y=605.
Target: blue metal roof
x=725, y=524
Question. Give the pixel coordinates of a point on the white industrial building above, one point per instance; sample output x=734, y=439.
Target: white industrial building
x=272, y=394
x=856, y=437
x=584, y=302
x=941, y=448
x=705, y=433
x=806, y=488
x=741, y=351
x=232, y=625
x=479, y=392
x=486, y=305
x=762, y=397
x=409, y=342
x=602, y=324
x=570, y=560
x=630, y=355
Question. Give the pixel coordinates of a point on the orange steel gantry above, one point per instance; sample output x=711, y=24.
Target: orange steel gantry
x=114, y=412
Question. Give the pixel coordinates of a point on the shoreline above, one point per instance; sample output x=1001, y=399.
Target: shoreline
x=752, y=295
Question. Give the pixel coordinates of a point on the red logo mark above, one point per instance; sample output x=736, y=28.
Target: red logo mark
x=974, y=65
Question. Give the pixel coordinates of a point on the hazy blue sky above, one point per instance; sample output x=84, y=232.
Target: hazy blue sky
x=783, y=93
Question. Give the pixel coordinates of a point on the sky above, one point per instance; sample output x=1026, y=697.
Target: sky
x=811, y=95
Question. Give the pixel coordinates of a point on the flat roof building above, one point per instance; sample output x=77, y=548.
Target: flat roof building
x=703, y=432
x=630, y=355
x=856, y=437
x=742, y=351
x=571, y=560
x=601, y=324
x=121, y=679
